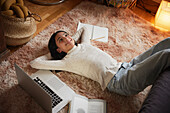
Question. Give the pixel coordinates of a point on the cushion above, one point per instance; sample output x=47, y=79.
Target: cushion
x=158, y=99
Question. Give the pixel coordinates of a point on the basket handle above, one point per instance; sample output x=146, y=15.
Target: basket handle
x=35, y=16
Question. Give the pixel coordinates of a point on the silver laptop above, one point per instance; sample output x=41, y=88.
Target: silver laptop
x=46, y=88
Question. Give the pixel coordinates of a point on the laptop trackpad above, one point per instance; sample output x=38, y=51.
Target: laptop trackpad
x=55, y=83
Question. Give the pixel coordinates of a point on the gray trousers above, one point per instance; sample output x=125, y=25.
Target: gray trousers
x=141, y=71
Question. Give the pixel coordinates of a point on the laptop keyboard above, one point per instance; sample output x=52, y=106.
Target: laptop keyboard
x=55, y=98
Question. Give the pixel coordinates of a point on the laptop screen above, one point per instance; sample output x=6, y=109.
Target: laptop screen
x=40, y=96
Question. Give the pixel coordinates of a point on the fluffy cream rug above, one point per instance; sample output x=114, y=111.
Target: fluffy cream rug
x=129, y=36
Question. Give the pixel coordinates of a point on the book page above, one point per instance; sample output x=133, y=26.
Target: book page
x=79, y=104
x=96, y=33
x=88, y=26
x=96, y=106
x=100, y=34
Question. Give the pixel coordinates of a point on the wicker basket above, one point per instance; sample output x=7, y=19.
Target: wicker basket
x=18, y=31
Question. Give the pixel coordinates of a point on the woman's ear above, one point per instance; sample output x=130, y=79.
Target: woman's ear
x=59, y=50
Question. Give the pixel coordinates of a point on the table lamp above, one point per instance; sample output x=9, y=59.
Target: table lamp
x=162, y=18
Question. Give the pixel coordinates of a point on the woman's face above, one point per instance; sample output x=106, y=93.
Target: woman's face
x=64, y=42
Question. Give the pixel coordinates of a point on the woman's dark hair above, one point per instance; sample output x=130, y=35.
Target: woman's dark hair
x=53, y=47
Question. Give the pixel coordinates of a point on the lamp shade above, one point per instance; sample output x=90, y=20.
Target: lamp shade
x=162, y=18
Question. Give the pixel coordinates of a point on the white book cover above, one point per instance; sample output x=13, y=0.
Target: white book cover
x=81, y=104
x=96, y=32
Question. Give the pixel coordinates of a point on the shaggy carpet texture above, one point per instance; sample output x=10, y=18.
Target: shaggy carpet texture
x=129, y=35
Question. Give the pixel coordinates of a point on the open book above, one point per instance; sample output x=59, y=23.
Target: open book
x=96, y=33
x=81, y=104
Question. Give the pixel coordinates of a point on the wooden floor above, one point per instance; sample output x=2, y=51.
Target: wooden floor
x=150, y=5
x=50, y=13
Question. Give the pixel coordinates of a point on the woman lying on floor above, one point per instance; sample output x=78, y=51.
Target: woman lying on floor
x=91, y=62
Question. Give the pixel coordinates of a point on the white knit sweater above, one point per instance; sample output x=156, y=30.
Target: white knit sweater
x=84, y=59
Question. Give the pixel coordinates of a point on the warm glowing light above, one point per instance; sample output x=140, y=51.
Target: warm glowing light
x=162, y=18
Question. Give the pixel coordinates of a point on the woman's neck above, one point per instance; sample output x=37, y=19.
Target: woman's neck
x=71, y=49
